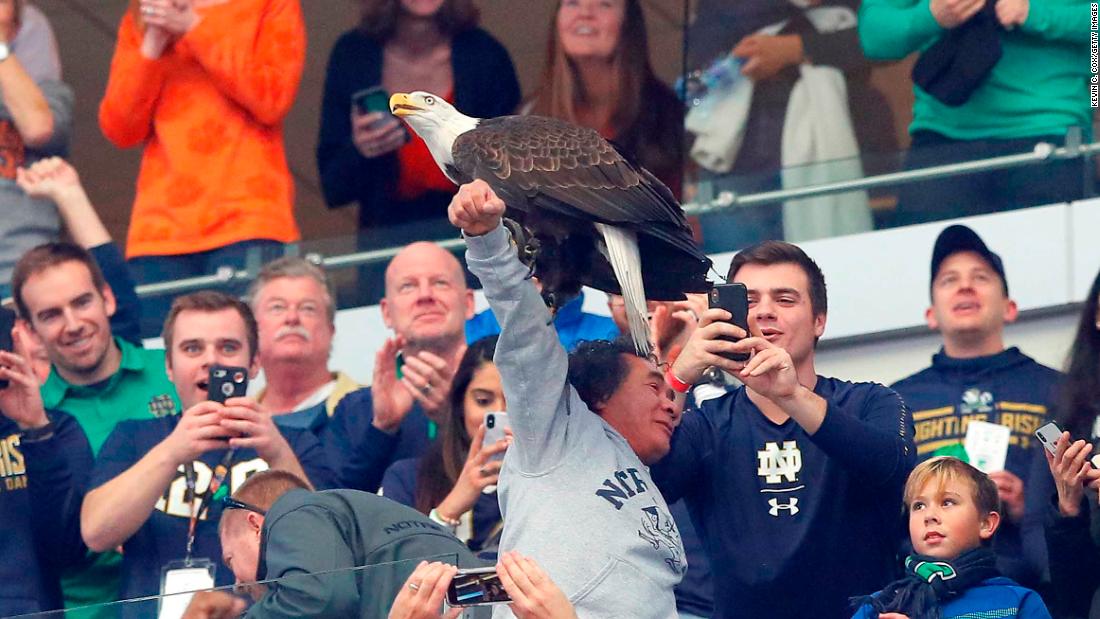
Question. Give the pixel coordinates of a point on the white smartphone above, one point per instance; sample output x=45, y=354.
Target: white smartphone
x=1048, y=435
x=495, y=424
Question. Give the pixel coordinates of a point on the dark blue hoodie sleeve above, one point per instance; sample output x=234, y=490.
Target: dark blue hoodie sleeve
x=871, y=435
x=358, y=452
x=399, y=482
x=126, y=321
x=685, y=469
x=58, y=470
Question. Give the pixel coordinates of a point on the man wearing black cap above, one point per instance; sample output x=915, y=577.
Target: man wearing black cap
x=975, y=378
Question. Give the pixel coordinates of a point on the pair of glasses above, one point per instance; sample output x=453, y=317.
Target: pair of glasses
x=229, y=502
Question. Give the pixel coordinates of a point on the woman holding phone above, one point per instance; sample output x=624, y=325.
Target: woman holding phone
x=1073, y=530
x=366, y=156
x=455, y=481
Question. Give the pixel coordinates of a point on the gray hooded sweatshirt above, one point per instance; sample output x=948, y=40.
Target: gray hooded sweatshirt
x=573, y=494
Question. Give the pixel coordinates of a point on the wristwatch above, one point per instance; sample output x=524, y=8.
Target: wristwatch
x=5, y=51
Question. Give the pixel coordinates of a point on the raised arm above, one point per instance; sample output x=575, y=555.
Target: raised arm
x=55, y=179
x=133, y=89
x=532, y=363
x=57, y=457
x=58, y=467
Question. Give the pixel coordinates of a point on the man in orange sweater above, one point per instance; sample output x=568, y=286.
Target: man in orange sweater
x=203, y=86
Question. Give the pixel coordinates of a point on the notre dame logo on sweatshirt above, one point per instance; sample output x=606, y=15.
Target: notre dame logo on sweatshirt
x=13, y=469
x=778, y=467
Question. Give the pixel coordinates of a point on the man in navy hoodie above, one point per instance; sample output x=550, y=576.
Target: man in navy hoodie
x=793, y=479
x=975, y=378
x=44, y=466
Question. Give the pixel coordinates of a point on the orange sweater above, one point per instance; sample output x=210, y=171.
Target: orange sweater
x=209, y=112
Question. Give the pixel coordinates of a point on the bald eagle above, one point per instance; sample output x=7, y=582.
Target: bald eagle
x=586, y=215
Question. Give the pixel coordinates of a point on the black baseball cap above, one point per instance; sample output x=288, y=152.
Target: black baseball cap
x=958, y=238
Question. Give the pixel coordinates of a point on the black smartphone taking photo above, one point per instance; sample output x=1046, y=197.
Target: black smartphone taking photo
x=7, y=322
x=226, y=381
x=476, y=587
x=734, y=298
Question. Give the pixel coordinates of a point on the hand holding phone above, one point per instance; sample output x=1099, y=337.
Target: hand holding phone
x=496, y=429
x=375, y=101
x=734, y=298
x=476, y=587
x=1048, y=436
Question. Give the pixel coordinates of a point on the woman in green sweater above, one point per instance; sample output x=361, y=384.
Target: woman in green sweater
x=1036, y=91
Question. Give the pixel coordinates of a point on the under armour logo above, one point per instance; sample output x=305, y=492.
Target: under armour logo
x=776, y=463
x=791, y=507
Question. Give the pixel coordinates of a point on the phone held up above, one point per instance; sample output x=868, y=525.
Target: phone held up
x=1049, y=434
x=226, y=381
x=476, y=587
x=375, y=99
x=734, y=298
x=7, y=323
x=495, y=426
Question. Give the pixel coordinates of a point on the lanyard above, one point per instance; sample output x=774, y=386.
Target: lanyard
x=199, y=505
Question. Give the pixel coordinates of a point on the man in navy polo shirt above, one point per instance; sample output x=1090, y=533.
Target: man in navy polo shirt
x=44, y=465
x=153, y=476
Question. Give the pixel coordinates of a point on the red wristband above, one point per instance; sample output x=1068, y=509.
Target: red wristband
x=674, y=382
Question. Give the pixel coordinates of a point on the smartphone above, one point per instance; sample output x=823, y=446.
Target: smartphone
x=495, y=424
x=373, y=99
x=226, y=381
x=734, y=298
x=1048, y=435
x=476, y=587
x=7, y=323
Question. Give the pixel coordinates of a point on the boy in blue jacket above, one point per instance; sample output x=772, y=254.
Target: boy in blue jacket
x=953, y=514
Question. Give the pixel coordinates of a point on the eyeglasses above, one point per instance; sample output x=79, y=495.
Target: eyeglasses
x=229, y=502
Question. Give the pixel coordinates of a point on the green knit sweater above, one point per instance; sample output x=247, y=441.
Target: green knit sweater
x=1039, y=87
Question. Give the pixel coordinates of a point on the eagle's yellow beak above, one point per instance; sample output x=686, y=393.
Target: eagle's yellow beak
x=402, y=105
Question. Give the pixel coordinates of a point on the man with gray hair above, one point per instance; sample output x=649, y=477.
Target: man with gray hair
x=295, y=312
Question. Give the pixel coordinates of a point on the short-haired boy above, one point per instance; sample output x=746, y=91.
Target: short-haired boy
x=953, y=514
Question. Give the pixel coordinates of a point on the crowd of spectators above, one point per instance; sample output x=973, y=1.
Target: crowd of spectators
x=690, y=483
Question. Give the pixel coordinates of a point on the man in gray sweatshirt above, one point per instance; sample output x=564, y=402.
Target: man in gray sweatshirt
x=575, y=489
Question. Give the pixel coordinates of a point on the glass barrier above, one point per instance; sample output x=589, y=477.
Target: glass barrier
x=367, y=591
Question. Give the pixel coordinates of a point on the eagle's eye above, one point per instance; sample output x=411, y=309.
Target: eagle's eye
x=429, y=100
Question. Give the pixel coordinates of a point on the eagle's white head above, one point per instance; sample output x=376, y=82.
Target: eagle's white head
x=434, y=120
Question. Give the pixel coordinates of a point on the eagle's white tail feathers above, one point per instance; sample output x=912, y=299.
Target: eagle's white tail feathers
x=626, y=261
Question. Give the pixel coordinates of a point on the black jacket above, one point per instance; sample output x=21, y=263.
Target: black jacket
x=485, y=86
x=1073, y=545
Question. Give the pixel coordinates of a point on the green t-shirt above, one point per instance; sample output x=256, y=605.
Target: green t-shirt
x=140, y=389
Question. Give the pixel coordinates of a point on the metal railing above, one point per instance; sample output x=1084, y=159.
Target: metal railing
x=1042, y=153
